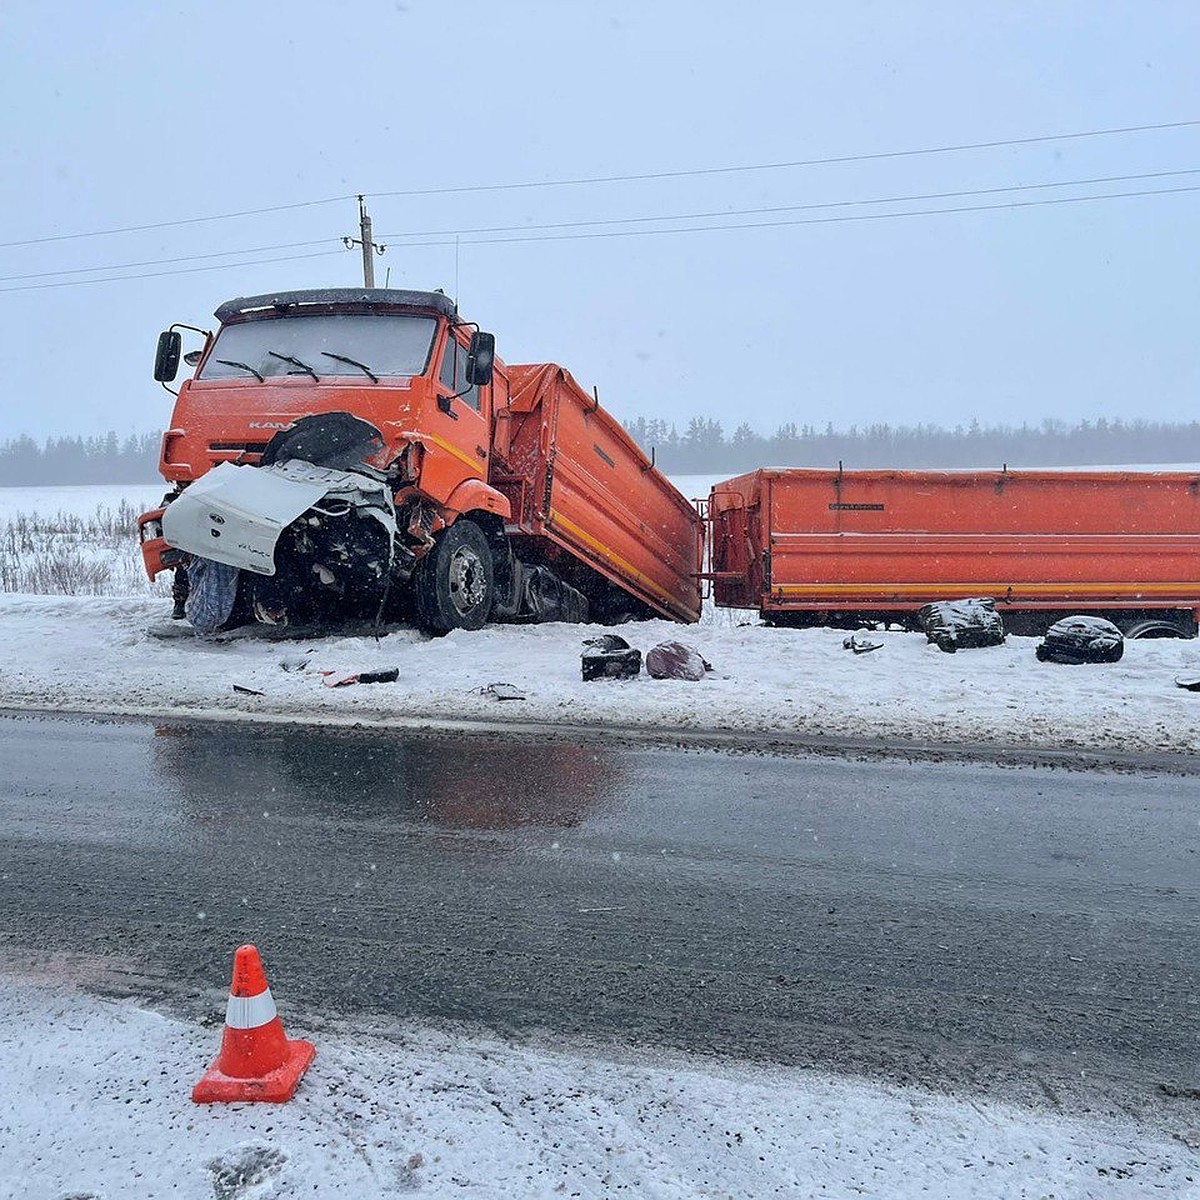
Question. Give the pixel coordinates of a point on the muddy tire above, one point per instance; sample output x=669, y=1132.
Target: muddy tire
x=453, y=586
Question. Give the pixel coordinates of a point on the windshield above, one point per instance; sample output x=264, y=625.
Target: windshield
x=366, y=345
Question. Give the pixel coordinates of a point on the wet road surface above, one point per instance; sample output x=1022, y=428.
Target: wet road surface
x=1031, y=932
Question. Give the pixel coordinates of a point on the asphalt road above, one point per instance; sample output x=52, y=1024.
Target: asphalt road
x=1027, y=931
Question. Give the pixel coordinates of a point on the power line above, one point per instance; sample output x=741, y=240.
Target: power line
x=247, y=212
x=924, y=212
x=779, y=166
x=158, y=262
x=970, y=208
x=541, y=183
x=743, y=212
x=36, y=287
x=747, y=212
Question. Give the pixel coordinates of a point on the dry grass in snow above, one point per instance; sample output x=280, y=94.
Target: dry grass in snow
x=68, y=553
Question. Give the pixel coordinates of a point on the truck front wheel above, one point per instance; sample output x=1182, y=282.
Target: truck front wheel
x=453, y=585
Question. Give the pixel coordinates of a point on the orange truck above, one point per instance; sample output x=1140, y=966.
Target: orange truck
x=809, y=547
x=358, y=453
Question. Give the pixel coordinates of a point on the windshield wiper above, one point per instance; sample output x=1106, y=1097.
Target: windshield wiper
x=230, y=362
x=305, y=369
x=354, y=363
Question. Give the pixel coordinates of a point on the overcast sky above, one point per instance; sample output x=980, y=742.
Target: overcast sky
x=130, y=114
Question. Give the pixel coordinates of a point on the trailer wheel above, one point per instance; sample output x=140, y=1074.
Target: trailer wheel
x=1159, y=627
x=453, y=585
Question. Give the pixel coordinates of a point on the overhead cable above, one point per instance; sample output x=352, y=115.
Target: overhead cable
x=529, y=228
x=246, y=212
x=746, y=212
x=920, y=212
x=158, y=262
x=629, y=178
x=779, y=166
x=35, y=287
x=615, y=233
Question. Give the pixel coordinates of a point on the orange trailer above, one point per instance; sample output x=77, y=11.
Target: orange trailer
x=844, y=547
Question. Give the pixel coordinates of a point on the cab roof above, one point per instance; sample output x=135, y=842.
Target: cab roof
x=375, y=299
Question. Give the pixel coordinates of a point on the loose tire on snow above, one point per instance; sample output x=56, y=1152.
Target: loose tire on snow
x=453, y=585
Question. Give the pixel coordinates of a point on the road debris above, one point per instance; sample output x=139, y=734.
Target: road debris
x=1076, y=640
x=861, y=645
x=502, y=691
x=962, y=624
x=247, y=691
x=674, y=660
x=211, y=596
x=610, y=657
x=333, y=679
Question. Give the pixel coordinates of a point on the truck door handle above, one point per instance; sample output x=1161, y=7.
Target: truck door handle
x=481, y=451
x=443, y=402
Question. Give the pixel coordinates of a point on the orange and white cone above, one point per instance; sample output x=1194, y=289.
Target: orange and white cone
x=257, y=1060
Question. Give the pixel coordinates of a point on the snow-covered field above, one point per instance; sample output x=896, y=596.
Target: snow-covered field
x=74, y=540
x=94, y=1102
x=92, y=653
x=77, y=501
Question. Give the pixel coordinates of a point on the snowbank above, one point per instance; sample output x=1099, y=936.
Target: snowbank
x=94, y=654
x=94, y=1101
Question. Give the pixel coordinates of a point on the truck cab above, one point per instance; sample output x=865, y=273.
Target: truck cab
x=395, y=359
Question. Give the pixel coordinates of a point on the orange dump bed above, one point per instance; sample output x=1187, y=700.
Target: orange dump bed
x=894, y=540
x=579, y=484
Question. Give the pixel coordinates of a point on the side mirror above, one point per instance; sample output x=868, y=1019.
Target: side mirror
x=480, y=358
x=192, y=357
x=166, y=357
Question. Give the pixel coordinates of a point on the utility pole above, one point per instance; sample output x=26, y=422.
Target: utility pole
x=364, y=240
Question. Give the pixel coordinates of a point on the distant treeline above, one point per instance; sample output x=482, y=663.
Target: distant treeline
x=106, y=459
x=703, y=447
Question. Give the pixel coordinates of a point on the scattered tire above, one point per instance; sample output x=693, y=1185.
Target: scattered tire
x=453, y=585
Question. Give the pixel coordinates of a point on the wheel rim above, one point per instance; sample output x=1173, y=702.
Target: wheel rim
x=468, y=582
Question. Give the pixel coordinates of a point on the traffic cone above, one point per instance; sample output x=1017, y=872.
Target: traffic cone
x=257, y=1061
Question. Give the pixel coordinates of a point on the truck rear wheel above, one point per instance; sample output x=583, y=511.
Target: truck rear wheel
x=453, y=585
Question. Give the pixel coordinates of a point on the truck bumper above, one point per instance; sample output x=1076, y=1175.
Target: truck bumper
x=157, y=556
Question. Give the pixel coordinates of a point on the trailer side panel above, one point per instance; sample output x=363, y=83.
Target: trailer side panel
x=589, y=490
x=894, y=540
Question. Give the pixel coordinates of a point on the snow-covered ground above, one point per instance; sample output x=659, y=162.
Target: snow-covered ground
x=94, y=1102
x=92, y=653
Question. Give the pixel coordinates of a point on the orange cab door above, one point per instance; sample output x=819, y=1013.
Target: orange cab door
x=465, y=430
